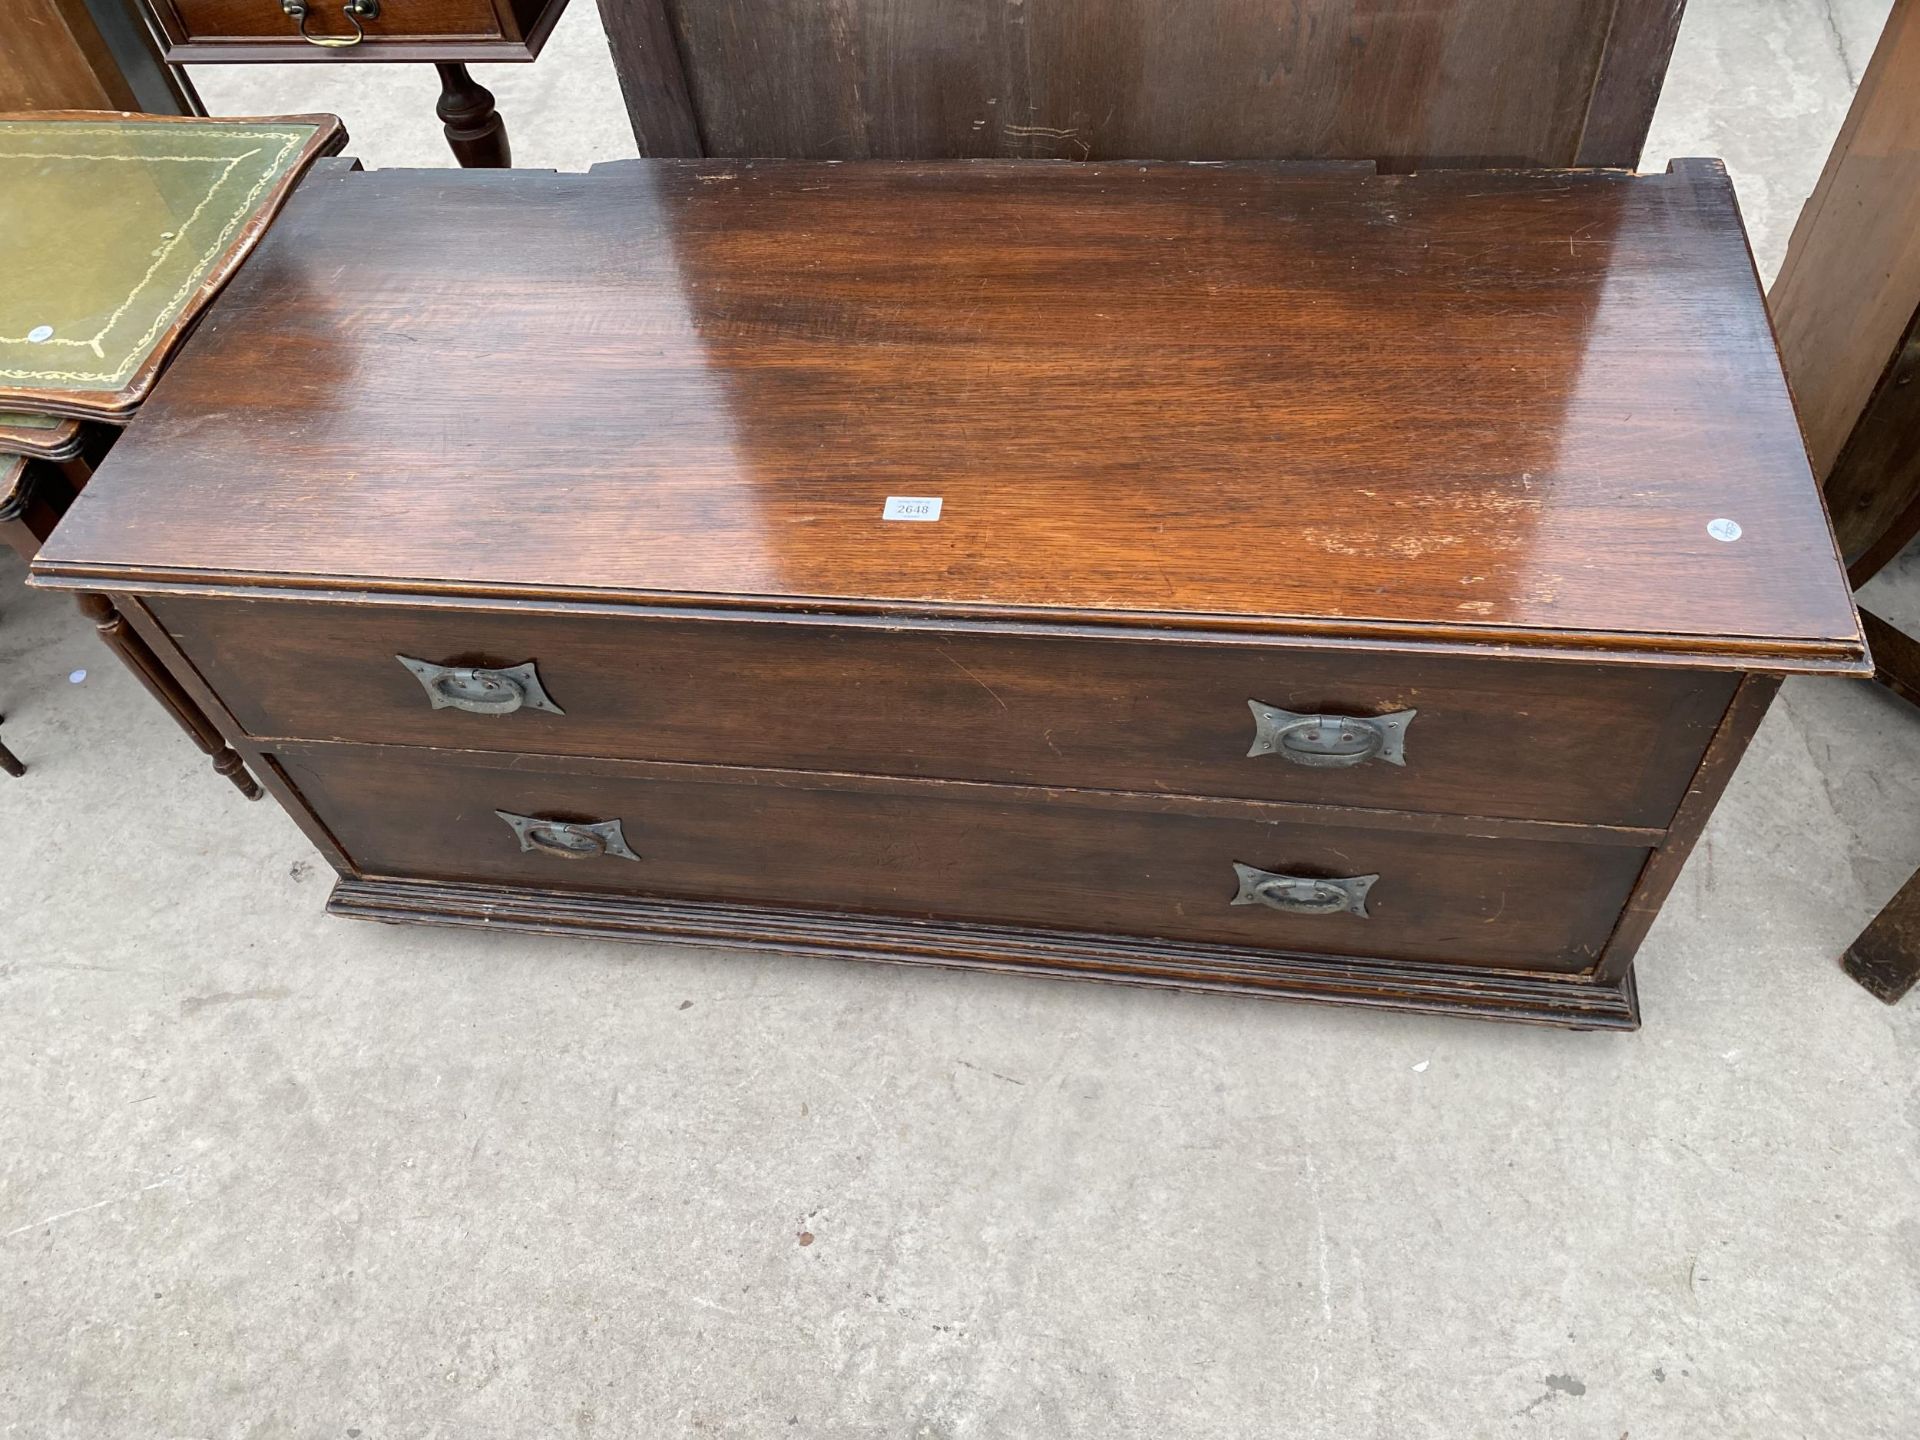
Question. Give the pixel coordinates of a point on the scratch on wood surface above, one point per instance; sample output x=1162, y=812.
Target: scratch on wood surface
x=976, y=680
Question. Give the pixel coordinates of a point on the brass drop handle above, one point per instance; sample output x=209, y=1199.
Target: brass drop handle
x=1304, y=894
x=479, y=690
x=354, y=10
x=568, y=839
x=1329, y=741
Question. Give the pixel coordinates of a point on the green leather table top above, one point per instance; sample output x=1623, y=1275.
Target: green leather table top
x=117, y=231
x=49, y=437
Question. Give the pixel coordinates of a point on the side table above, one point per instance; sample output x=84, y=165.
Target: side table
x=121, y=230
x=449, y=33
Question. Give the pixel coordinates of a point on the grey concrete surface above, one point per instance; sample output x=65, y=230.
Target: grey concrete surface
x=266, y=1174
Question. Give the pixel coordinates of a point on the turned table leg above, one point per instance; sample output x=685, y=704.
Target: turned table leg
x=145, y=665
x=475, y=132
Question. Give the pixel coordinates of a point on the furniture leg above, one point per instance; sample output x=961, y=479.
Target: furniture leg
x=131, y=649
x=1886, y=957
x=9, y=762
x=36, y=504
x=475, y=132
x=1896, y=657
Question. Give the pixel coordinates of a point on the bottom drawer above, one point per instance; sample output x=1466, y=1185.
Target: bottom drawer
x=1053, y=860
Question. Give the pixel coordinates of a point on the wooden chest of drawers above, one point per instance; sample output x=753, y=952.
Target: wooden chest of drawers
x=1283, y=580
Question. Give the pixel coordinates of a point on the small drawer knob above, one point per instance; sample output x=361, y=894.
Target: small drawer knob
x=568, y=839
x=1329, y=741
x=1303, y=894
x=481, y=691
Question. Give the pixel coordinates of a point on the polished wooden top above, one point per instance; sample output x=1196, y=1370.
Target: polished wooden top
x=1490, y=408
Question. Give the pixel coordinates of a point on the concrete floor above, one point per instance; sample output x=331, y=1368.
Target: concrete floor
x=267, y=1174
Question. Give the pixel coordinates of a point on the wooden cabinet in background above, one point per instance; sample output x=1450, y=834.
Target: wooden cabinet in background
x=450, y=33
x=1408, y=84
x=85, y=55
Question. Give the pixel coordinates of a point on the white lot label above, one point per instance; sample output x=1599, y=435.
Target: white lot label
x=1728, y=530
x=911, y=507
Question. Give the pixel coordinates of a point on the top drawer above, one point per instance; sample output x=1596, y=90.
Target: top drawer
x=1600, y=745
x=205, y=20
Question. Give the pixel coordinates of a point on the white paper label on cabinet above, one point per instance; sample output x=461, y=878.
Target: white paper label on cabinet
x=911, y=507
x=1727, y=530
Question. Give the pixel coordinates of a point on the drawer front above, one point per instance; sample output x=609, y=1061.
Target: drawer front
x=929, y=850
x=1582, y=744
x=396, y=20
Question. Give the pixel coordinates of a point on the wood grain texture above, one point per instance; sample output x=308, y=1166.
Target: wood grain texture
x=1626, y=88
x=1896, y=657
x=653, y=81
x=1873, y=491
x=1482, y=992
x=52, y=57
x=1886, y=957
x=966, y=852
x=1604, y=746
x=1650, y=892
x=1503, y=408
x=1850, y=284
x=1410, y=83
x=209, y=706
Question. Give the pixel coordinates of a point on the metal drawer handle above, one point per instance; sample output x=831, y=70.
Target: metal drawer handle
x=1303, y=894
x=1326, y=741
x=354, y=10
x=567, y=839
x=479, y=691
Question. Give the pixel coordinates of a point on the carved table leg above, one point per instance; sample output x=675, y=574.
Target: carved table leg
x=475, y=132
x=9, y=762
x=121, y=639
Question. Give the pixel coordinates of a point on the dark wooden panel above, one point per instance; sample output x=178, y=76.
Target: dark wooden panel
x=652, y=80
x=1533, y=741
x=1886, y=957
x=1490, y=994
x=1896, y=657
x=1494, y=407
x=1850, y=283
x=1873, y=490
x=53, y=57
x=1412, y=83
x=1632, y=70
x=1730, y=742
x=962, y=852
